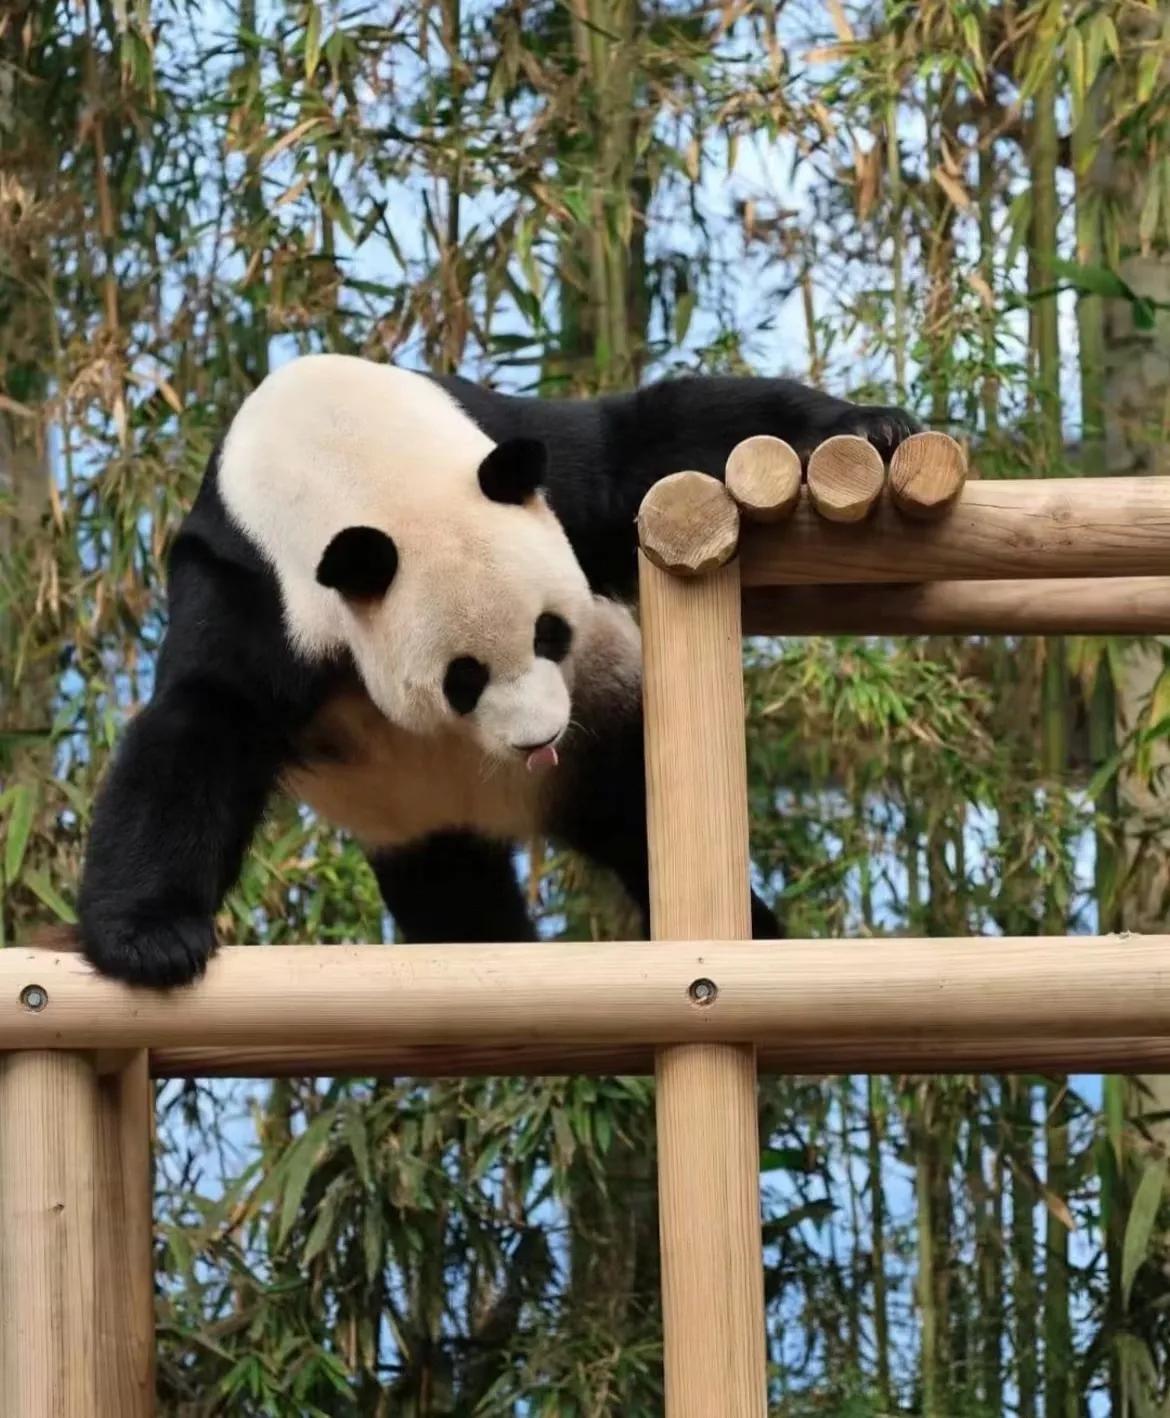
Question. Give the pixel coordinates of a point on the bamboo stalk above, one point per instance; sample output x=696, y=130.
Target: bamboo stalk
x=1111, y=605
x=708, y=1145
x=1038, y=527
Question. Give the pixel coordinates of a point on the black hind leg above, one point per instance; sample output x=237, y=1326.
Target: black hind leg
x=602, y=815
x=453, y=887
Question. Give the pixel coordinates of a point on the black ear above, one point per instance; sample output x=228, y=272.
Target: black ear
x=513, y=470
x=360, y=562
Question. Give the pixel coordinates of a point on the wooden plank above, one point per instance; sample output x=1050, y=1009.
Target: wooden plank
x=997, y=529
x=708, y=1149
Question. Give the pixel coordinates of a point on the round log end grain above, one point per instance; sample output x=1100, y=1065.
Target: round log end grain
x=927, y=474
x=845, y=478
x=688, y=524
x=763, y=475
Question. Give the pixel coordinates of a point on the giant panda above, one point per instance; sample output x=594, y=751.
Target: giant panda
x=400, y=599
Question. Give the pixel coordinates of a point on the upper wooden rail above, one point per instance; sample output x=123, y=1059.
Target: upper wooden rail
x=849, y=524
x=801, y=994
x=1014, y=529
x=1078, y=605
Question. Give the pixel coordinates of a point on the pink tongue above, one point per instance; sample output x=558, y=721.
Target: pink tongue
x=545, y=757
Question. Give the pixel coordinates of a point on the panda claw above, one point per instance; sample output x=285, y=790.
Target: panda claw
x=160, y=954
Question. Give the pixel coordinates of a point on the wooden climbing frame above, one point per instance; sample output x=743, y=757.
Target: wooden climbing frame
x=701, y=1004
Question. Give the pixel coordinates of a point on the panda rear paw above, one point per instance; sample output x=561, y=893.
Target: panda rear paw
x=157, y=951
x=885, y=427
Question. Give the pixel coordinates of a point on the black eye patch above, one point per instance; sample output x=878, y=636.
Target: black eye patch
x=553, y=637
x=465, y=680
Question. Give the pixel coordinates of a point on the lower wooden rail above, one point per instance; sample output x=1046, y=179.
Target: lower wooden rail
x=1007, y=1054
x=802, y=996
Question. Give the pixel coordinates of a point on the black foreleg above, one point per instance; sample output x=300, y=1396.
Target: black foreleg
x=172, y=822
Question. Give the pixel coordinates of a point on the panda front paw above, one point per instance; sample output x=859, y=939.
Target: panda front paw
x=885, y=427
x=156, y=951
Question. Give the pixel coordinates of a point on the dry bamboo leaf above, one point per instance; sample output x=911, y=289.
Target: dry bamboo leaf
x=292, y=193
x=981, y=289
x=867, y=167
x=826, y=54
x=21, y=411
x=841, y=21
x=288, y=139
x=955, y=191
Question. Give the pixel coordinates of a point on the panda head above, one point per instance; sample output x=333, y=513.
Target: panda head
x=403, y=537
x=468, y=624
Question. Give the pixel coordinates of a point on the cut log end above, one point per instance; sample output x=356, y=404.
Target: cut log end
x=688, y=524
x=763, y=475
x=845, y=478
x=927, y=475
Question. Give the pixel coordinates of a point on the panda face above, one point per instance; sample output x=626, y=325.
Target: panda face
x=402, y=535
x=462, y=639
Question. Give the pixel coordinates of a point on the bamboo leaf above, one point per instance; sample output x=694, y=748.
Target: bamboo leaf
x=20, y=821
x=300, y=1168
x=41, y=887
x=312, y=40
x=355, y=1135
x=1138, y=1229
x=322, y=1231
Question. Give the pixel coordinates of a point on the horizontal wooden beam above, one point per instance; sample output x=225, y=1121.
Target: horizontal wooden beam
x=797, y=993
x=1011, y=528
x=1087, y=605
x=1026, y=1054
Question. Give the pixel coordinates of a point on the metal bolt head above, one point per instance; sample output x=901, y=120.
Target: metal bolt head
x=34, y=997
x=703, y=992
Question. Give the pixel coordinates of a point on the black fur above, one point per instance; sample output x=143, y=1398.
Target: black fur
x=360, y=562
x=514, y=470
x=453, y=887
x=189, y=783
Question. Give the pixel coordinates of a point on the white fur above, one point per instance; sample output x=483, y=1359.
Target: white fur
x=330, y=441
x=390, y=787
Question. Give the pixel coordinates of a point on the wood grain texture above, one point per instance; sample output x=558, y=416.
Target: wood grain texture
x=845, y=478
x=927, y=473
x=48, y=1364
x=688, y=524
x=124, y=1238
x=1014, y=529
x=610, y=993
x=1107, y=605
x=707, y=1118
x=763, y=475
x=1009, y=1054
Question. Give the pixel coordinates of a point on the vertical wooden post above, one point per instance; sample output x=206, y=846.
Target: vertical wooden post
x=48, y=1106
x=708, y=1150
x=124, y=1237
x=76, y=1282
